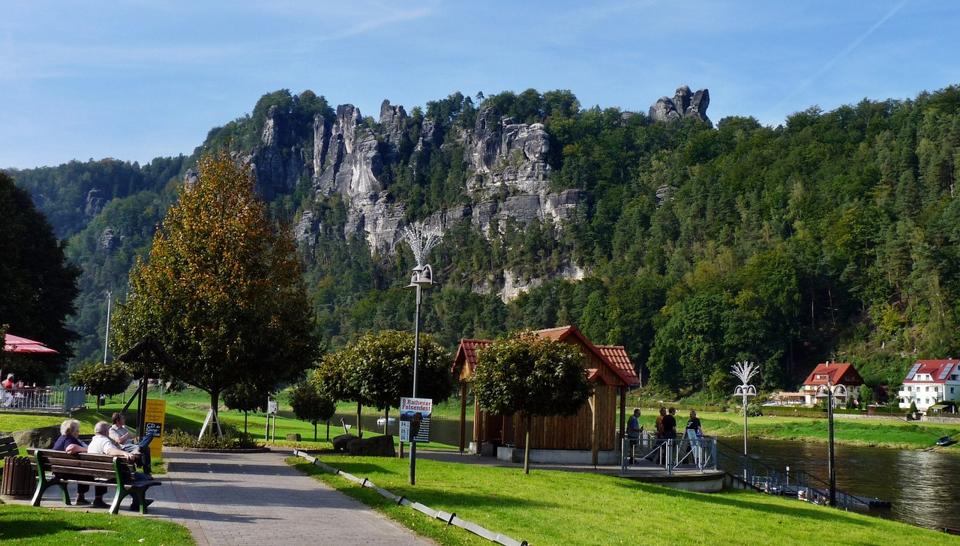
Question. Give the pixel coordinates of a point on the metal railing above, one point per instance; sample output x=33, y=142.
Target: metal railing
x=61, y=399
x=670, y=454
x=798, y=484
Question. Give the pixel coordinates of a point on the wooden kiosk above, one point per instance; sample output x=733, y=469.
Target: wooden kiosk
x=556, y=439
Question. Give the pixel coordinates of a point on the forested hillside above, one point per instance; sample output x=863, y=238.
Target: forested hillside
x=833, y=236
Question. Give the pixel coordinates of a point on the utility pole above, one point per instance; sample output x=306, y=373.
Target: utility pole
x=106, y=338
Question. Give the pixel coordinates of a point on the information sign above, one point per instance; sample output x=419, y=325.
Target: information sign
x=415, y=419
x=154, y=416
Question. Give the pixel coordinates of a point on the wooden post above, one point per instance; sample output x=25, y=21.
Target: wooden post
x=623, y=415
x=478, y=426
x=594, y=447
x=463, y=415
x=526, y=445
x=359, y=426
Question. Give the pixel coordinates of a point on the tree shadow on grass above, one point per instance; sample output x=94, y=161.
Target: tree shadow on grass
x=745, y=503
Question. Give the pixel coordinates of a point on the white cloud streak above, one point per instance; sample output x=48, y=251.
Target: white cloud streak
x=845, y=52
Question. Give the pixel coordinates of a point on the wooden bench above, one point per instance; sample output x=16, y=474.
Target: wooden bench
x=95, y=470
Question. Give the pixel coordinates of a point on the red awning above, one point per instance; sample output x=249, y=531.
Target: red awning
x=17, y=344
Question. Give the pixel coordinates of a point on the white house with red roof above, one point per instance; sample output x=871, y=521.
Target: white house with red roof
x=929, y=382
x=833, y=373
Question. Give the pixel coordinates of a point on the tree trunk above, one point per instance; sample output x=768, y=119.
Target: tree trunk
x=314, y=431
x=244, y=422
x=386, y=421
x=359, y=427
x=526, y=445
x=328, y=430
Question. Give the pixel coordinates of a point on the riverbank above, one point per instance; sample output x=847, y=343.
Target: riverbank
x=555, y=507
x=886, y=433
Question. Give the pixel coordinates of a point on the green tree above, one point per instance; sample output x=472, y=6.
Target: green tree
x=334, y=376
x=222, y=289
x=38, y=284
x=383, y=369
x=100, y=379
x=865, y=396
x=312, y=405
x=246, y=397
x=377, y=370
x=530, y=375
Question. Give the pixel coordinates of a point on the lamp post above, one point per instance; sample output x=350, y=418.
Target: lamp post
x=744, y=371
x=421, y=238
x=828, y=391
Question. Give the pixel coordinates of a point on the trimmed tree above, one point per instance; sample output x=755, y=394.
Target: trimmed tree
x=333, y=376
x=383, y=369
x=530, y=375
x=222, y=289
x=101, y=379
x=377, y=370
x=246, y=397
x=311, y=405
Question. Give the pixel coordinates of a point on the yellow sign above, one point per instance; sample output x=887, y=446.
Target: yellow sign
x=153, y=422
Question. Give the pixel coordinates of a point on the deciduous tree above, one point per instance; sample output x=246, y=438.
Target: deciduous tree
x=313, y=405
x=222, y=288
x=100, y=379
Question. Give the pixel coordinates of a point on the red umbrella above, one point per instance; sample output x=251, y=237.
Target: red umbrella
x=22, y=345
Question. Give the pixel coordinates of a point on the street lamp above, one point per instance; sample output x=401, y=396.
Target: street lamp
x=829, y=391
x=744, y=371
x=421, y=238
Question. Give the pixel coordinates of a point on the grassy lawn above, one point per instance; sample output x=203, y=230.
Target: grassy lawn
x=28, y=525
x=187, y=409
x=552, y=507
x=867, y=432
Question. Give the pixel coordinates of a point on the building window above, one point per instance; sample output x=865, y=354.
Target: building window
x=951, y=390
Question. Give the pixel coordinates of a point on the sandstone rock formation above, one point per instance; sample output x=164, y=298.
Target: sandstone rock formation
x=684, y=104
x=343, y=154
x=94, y=203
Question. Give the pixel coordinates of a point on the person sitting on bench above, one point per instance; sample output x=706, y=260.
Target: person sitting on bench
x=103, y=445
x=69, y=442
x=120, y=434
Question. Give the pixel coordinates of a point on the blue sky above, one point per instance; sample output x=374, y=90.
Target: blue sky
x=138, y=79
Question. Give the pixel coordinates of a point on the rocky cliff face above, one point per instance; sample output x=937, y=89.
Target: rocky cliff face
x=506, y=164
x=684, y=104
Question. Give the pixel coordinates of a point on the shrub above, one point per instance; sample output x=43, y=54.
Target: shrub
x=230, y=440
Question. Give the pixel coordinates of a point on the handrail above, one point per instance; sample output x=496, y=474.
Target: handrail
x=776, y=480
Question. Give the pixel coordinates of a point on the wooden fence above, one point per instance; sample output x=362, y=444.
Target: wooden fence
x=446, y=517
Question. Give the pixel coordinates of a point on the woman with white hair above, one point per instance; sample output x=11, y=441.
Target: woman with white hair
x=69, y=442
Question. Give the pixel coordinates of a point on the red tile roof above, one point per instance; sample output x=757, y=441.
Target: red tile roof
x=617, y=356
x=839, y=373
x=467, y=353
x=939, y=370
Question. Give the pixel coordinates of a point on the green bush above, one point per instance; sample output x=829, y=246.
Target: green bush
x=230, y=440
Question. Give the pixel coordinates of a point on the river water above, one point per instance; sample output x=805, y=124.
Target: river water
x=923, y=486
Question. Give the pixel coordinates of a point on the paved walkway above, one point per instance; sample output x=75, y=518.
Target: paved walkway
x=258, y=499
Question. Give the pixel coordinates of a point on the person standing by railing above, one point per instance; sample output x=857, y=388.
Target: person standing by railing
x=693, y=432
x=634, y=430
x=661, y=435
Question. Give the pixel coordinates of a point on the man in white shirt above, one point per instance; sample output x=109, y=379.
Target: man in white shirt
x=120, y=434
x=101, y=444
